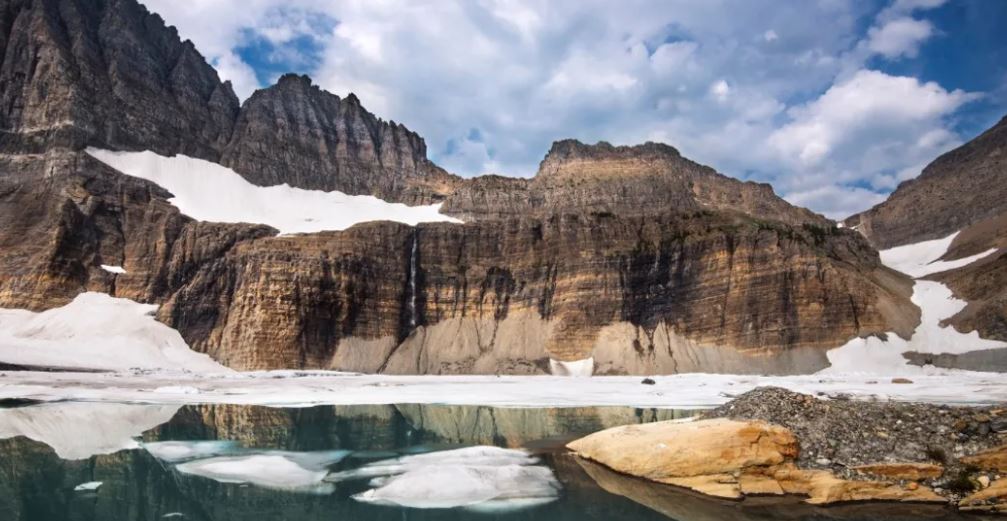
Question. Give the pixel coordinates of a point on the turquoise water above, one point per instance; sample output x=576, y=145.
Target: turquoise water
x=49, y=450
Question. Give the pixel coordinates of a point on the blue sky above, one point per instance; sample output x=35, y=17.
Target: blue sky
x=832, y=101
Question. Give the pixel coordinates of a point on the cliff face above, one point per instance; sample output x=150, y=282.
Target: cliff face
x=962, y=187
x=635, y=256
x=296, y=133
x=639, y=180
x=105, y=73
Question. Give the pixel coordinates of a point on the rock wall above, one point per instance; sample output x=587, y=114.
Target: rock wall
x=960, y=188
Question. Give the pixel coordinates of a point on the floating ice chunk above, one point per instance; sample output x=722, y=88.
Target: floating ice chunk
x=97, y=331
x=474, y=456
x=210, y=192
x=276, y=470
x=118, y=270
x=90, y=486
x=489, y=478
x=177, y=451
x=79, y=430
x=583, y=367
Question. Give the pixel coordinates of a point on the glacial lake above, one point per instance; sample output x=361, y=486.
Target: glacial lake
x=85, y=461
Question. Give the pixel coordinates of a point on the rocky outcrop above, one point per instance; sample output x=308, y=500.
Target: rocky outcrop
x=296, y=133
x=604, y=179
x=109, y=74
x=962, y=187
x=730, y=459
x=505, y=296
x=64, y=214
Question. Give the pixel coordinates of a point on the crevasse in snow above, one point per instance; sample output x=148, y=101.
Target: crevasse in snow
x=207, y=191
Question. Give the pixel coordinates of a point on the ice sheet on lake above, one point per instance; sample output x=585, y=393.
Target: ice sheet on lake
x=277, y=470
x=77, y=430
x=484, y=478
x=210, y=192
x=97, y=331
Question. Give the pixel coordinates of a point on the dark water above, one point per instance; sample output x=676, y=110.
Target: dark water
x=50, y=449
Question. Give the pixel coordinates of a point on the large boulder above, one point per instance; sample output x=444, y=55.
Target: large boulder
x=731, y=459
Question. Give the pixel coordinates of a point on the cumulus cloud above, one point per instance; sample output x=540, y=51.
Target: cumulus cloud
x=899, y=37
x=491, y=83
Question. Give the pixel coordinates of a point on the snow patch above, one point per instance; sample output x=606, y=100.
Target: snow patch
x=275, y=470
x=119, y=270
x=79, y=430
x=97, y=331
x=936, y=302
x=210, y=192
x=583, y=367
x=480, y=478
x=921, y=259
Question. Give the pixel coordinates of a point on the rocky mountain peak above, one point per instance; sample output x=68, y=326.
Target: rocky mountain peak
x=77, y=73
x=960, y=188
x=297, y=133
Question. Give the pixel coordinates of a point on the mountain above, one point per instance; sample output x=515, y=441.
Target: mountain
x=108, y=74
x=628, y=180
x=296, y=133
x=962, y=192
x=960, y=188
x=635, y=257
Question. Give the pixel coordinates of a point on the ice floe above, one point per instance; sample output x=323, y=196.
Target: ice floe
x=210, y=192
x=97, y=331
x=277, y=470
x=90, y=486
x=483, y=477
x=79, y=430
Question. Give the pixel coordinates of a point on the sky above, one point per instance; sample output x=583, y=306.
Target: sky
x=833, y=102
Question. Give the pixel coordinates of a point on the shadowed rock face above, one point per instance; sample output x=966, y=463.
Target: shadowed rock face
x=636, y=256
x=106, y=73
x=960, y=188
x=640, y=180
x=296, y=133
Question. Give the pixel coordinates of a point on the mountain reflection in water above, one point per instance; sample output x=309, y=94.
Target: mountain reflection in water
x=236, y=462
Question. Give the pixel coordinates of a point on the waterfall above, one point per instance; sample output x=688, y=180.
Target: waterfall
x=411, y=304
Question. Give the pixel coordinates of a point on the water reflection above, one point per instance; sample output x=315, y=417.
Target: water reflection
x=224, y=462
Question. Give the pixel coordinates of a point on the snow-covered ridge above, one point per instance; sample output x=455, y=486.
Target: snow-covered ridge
x=936, y=302
x=207, y=191
x=97, y=331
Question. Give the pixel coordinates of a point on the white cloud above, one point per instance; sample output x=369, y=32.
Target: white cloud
x=524, y=73
x=242, y=77
x=899, y=37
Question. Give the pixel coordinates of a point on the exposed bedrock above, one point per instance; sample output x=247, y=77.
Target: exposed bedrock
x=506, y=296
x=639, y=180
